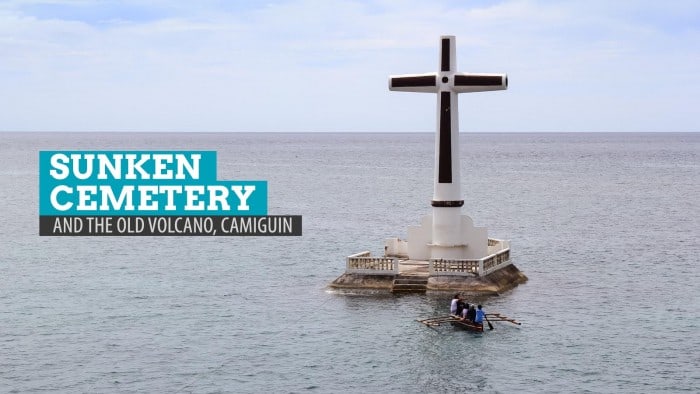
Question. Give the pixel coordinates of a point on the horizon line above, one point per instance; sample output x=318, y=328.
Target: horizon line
x=330, y=132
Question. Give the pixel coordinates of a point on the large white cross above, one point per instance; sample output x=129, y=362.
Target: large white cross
x=447, y=83
x=449, y=237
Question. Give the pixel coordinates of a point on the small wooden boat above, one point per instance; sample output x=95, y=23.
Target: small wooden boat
x=467, y=325
x=457, y=322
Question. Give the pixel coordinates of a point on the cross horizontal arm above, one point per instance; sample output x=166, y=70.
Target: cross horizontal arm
x=468, y=82
x=426, y=83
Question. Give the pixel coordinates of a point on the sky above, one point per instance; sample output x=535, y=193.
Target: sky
x=322, y=66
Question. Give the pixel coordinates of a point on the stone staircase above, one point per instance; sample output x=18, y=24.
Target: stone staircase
x=410, y=284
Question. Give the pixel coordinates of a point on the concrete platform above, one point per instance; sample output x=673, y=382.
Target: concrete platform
x=494, y=283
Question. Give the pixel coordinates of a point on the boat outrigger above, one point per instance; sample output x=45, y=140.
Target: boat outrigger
x=457, y=322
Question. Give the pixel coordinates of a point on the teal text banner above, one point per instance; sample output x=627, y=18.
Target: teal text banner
x=170, y=183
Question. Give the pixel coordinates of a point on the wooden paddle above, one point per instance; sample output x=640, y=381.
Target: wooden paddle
x=487, y=321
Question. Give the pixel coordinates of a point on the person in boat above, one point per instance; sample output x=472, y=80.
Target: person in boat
x=480, y=315
x=470, y=315
x=460, y=306
x=453, y=305
x=464, y=311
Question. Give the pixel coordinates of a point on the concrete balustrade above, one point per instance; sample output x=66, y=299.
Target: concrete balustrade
x=362, y=263
x=462, y=267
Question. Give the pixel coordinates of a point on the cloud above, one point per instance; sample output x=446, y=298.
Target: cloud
x=322, y=66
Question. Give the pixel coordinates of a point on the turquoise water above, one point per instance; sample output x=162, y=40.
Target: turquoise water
x=604, y=225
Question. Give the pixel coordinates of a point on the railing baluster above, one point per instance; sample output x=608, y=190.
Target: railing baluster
x=363, y=263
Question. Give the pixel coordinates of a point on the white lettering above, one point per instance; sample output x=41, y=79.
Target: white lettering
x=58, y=162
x=54, y=197
x=133, y=165
x=147, y=193
x=85, y=193
x=170, y=194
x=160, y=162
x=183, y=164
x=193, y=193
x=114, y=166
x=75, y=157
x=108, y=198
x=218, y=193
x=243, y=205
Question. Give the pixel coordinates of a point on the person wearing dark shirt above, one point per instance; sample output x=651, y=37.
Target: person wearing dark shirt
x=460, y=306
x=471, y=314
x=464, y=311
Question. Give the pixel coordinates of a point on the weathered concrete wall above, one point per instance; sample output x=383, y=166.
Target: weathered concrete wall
x=473, y=239
x=476, y=239
x=361, y=281
x=395, y=247
x=494, y=283
x=507, y=278
x=418, y=239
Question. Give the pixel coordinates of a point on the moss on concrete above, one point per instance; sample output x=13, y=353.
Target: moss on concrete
x=361, y=281
x=497, y=282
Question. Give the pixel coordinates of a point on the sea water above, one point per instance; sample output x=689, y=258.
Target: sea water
x=606, y=226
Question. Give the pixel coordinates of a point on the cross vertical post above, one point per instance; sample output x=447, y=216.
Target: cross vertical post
x=447, y=84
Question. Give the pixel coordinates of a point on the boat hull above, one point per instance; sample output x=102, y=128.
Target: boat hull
x=465, y=325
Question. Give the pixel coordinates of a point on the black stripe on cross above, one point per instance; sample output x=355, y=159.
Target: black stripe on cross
x=406, y=82
x=445, y=55
x=478, y=80
x=445, y=159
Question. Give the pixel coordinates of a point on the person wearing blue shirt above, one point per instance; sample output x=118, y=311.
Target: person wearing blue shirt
x=480, y=315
